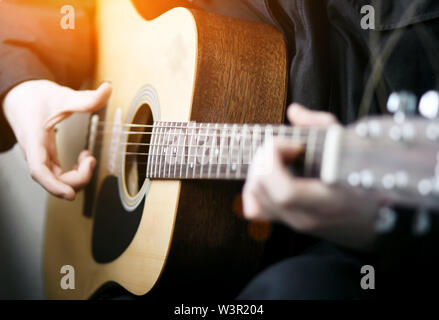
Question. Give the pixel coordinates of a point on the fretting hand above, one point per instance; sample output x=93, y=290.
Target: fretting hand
x=340, y=215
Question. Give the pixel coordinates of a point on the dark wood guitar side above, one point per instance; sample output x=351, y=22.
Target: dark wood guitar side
x=258, y=78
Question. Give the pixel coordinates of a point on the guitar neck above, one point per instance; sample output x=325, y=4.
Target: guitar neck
x=182, y=151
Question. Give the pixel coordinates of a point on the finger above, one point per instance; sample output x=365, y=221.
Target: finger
x=268, y=170
x=280, y=184
x=37, y=160
x=79, y=101
x=52, y=149
x=285, y=151
x=301, y=116
x=80, y=176
x=312, y=195
x=255, y=200
x=251, y=206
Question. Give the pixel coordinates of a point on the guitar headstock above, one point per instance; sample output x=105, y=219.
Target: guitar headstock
x=396, y=156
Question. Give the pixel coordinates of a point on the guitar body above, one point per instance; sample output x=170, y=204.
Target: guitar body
x=171, y=238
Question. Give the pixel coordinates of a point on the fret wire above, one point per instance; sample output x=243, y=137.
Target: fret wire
x=153, y=160
x=250, y=154
x=166, y=151
x=204, y=151
x=232, y=143
x=275, y=131
x=221, y=150
x=162, y=153
x=241, y=150
x=310, y=150
x=159, y=153
x=196, y=138
x=255, y=135
x=156, y=151
x=193, y=158
x=212, y=151
x=177, y=133
x=197, y=144
x=194, y=164
x=189, y=153
x=182, y=155
x=177, y=150
x=176, y=154
x=149, y=159
x=171, y=151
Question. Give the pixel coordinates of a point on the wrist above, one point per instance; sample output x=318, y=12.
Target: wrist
x=22, y=90
x=7, y=136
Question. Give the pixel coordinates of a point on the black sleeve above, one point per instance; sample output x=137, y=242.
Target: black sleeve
x=33, y=45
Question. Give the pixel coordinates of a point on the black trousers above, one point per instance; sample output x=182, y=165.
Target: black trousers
x=322, y=272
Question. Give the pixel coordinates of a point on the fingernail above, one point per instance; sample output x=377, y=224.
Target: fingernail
x=294, y=108
x=69, y=195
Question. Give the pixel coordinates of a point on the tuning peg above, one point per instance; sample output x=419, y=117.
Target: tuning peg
x=429, y=105
x=422, y=223
x=386, y=220
x=402, y=104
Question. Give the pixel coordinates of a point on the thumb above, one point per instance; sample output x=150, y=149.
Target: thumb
x=81, y=101
x=303, y=117
x=90, y=100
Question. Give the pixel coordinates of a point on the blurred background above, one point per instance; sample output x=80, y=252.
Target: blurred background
x=22, y=218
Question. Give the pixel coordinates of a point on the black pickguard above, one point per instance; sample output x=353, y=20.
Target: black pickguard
x=114, y=228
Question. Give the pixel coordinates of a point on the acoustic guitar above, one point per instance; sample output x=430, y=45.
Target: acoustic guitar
x=179, y=237
x=195, y=95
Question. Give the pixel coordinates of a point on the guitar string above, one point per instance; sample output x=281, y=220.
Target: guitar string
x=133, y=144
x=172, y=136
x=245, y=151
x=193, y=125
x=287, y=135
x=233, y=132
x=191, y=146
x=186, y=155
x=208, y=145
x=301, y=133
x=194, y=164
x=214, y=127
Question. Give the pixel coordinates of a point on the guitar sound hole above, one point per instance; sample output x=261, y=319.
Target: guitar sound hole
x=137, y=148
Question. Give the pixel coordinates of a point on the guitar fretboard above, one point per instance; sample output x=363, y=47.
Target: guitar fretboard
x=180, y=150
